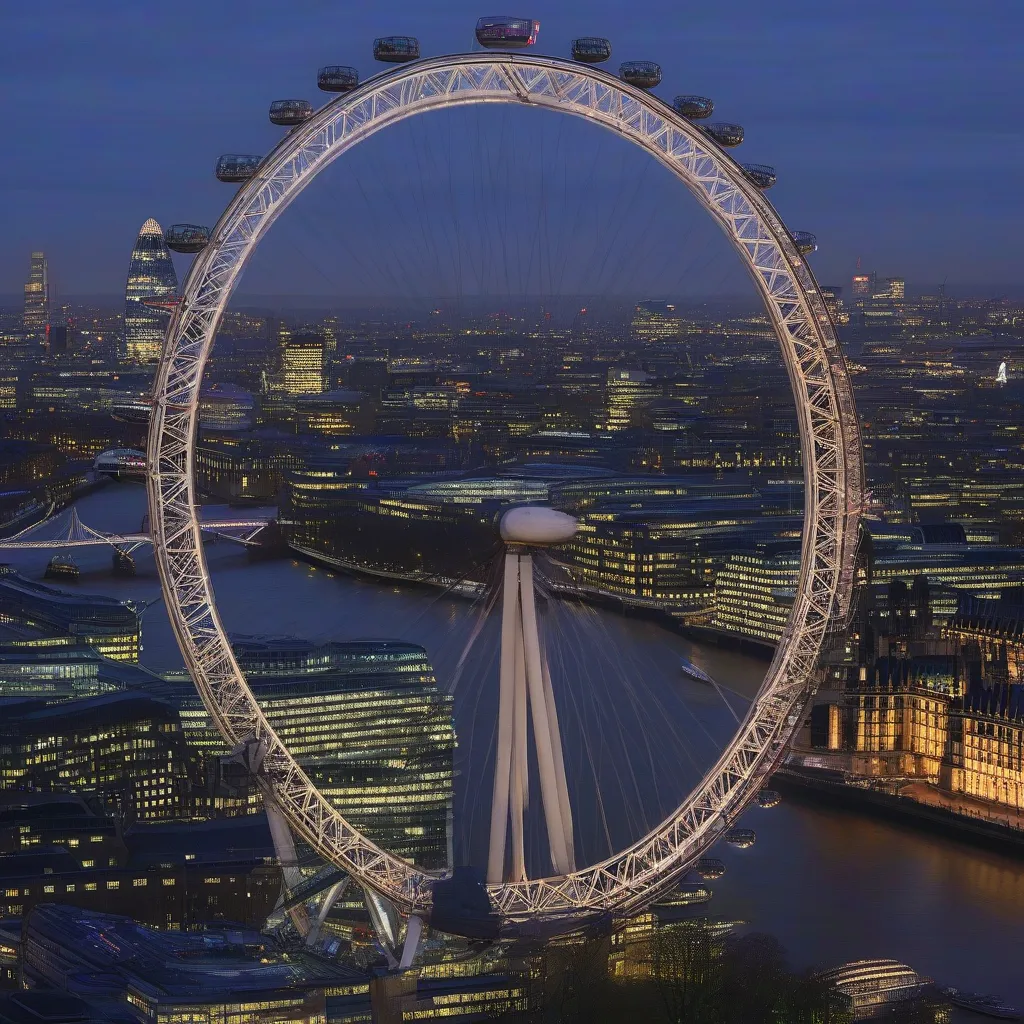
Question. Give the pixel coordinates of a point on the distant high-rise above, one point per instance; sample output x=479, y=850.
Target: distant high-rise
x=302, y=365
x=656, y=320
x=626, y=393
x=150, y=276
x=863, y=285
x=895, y=288
x=833, y=296
x=37, y=297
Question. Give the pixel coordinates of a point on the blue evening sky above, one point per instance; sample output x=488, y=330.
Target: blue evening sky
x=896, y=127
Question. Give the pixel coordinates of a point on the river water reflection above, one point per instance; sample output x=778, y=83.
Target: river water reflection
x=832, y=885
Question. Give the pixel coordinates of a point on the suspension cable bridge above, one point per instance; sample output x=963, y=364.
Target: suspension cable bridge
x=66, y=530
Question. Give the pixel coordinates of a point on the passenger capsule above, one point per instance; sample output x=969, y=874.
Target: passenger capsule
x=724, y=134
x=696, y=108
x=742, y=838
x=234, y=167
x=710, y=868
x=805, y=243
x=761, y=175
x=337, y=78
x=187, y=238
x=644, y=74
x=501, y=32
x=768, y=798
x=290, y=112
x=396, y=49
x=591, y=50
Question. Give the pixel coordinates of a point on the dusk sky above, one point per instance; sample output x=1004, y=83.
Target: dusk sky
x=896, y=129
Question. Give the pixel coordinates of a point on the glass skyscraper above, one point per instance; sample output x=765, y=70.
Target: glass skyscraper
x=37, y=297
x=150, y=276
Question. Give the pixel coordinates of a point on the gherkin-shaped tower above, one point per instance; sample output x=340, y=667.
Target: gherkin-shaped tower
x=150, y=276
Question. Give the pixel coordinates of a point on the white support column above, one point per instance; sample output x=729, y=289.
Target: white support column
x=291, y=873
x=506, y=716
x=549, y=787
x=333, y=895
x=520, y=763
x=556, y=748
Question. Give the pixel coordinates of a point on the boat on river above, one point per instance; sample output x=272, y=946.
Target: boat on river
x=689, y=669
x=987, y=1006
x=62, y=567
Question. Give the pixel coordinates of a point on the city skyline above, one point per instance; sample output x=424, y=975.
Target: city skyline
x=537, y=559
x=871, y=131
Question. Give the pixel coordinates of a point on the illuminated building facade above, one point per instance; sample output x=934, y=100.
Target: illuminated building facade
x=225, y=407
x=36, y=315
x=244, y=468
x=56, y=848
x=302, y=365
x=627, y=392
x=895, y=289
x=863, y=286
x=833, y=296
x=754, y=592
x=170, y=976
x=366, y=721
x=126, y=748
x=151, y=275
x=656, y=320
x=33, y=612
x=334, y=413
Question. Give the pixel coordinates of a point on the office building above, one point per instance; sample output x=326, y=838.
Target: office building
x=655, y=320
x=754, y=592
x=225, y=407
x=627, y=392
x=302, y=365
x=32, y=614
x=36, y=316
x=151, y=276
x=125, y=748
x=863, y=286
x=366, y=721
x=222, y=974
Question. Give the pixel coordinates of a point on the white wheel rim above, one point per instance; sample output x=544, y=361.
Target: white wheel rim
x=830, y=444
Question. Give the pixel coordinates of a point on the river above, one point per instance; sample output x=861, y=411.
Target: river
x=832, y=885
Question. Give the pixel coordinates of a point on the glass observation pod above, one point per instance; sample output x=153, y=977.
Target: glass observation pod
x=591, y=50
x=187, y=238
x=710, y=868
x=724, y=134
x=501, y=32
x=235, y=167
x=696, y=108
x=644, y=74
x=396, y=49
x=805, y=243
x=337, y=78
x=290, y=112
x=761, y=175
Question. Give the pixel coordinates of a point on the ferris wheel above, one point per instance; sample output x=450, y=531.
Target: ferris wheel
x=677, y=135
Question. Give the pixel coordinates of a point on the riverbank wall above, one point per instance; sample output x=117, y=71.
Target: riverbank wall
x=830, y=789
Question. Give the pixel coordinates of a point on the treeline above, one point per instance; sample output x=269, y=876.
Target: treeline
x=688, y=973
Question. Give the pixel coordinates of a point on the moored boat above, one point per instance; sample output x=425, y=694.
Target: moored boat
x=689, y=669
x=62, y=567
x=987, y=1006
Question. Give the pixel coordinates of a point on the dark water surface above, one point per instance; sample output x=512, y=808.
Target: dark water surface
x=831, y=885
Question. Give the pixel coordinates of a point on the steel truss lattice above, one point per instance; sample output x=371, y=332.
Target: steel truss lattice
x=830, y=440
